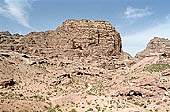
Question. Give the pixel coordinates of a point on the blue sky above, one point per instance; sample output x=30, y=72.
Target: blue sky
x=138, y=21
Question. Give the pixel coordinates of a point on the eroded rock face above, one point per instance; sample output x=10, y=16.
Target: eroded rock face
x=9, y=41
x=156, y=46
x=80, y=38
x=5, y=33
x=93, y=37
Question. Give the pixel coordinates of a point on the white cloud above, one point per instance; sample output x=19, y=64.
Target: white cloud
x=137, y=42
x=136, y=13
x=168, y=17
x=17, y=10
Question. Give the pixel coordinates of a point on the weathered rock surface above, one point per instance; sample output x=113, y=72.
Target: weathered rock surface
x=92, y=41
x=156, y=46
x=73, y=37
x=93, y=37
x=7, y=38
x=80, y=66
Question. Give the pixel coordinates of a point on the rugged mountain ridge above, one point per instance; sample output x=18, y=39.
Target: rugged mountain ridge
x=86, y=37
x=156, y=46
x=81, y=67
x=100, y=36
x=76, y=40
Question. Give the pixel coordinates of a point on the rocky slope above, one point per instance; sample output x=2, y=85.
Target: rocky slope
x=79, y=67
x=156, y=46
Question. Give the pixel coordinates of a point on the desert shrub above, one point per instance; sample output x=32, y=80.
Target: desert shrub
x=73, y=110
x=157, y=67
x=50, y=109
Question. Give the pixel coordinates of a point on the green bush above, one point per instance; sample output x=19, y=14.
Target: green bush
x=157, y=67
x=73, y=110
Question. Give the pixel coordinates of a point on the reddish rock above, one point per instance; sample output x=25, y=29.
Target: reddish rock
x=156, y=46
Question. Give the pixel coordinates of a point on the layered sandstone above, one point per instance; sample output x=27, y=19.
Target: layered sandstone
x=93, y=37
x=80, y=38
x=156, y=46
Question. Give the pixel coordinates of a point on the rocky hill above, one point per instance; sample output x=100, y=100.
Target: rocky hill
x=74, y=39
x=80, y=67
x=156, y=46
x=93, y=37
x=73, y=36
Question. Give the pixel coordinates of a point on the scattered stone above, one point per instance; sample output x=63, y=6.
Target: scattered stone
x=56, y=83
x=91, y=49
x=167, y=55
x=4, y=54
x=164, y=88
x=79, y=73
x=60, y=78
x=25, y=56
x=83, y=73
x=165, y=74
x=64, y=75
x=5, y=84
x=33, y=63
x=133, y=93
x=62, y=64
x=42, y=61
x=167, y=93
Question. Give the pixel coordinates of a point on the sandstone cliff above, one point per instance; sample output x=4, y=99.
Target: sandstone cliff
x=93, y=37
x=81, y=67
x=93, y=41
x=73, y=37
x=156, y=46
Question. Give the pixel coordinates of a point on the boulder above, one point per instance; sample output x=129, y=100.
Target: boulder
x=5, y=84
x=4, y=54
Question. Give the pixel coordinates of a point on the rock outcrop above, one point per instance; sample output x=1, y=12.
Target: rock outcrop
x=155, y=47
x=92, y=37
x=80, y=38
x=7, y=38
x=81, y=67
x=5, y=84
